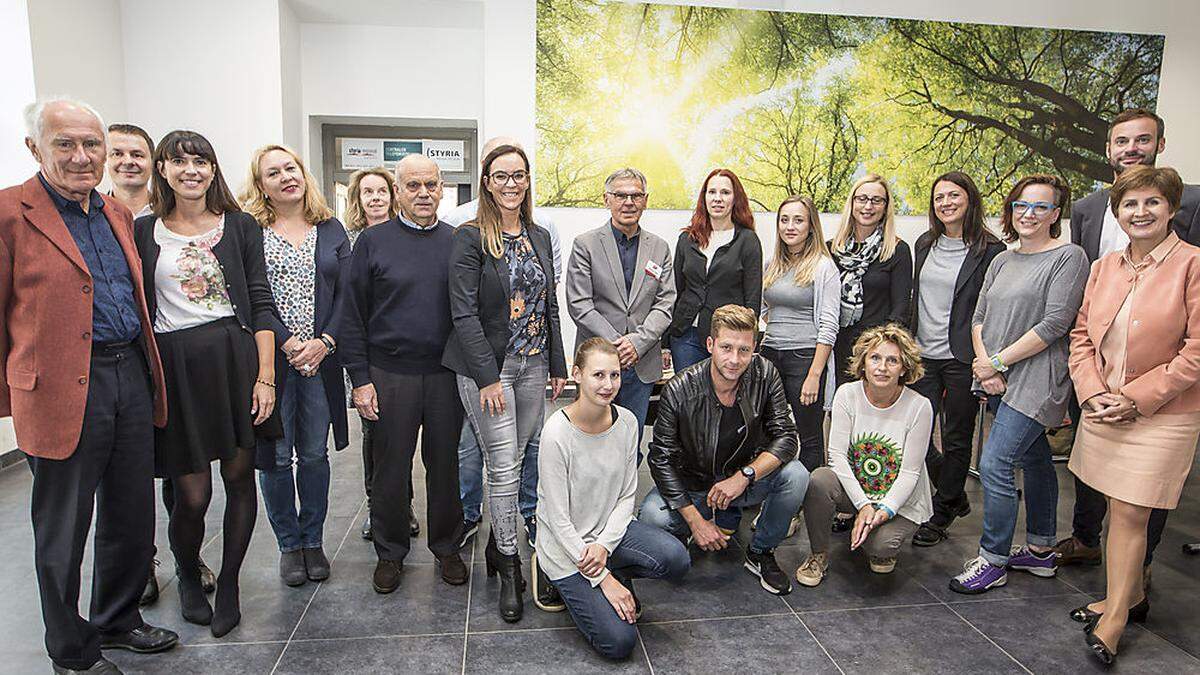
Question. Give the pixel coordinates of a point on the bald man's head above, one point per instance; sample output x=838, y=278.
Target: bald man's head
x=494, y=142
x=418, y=189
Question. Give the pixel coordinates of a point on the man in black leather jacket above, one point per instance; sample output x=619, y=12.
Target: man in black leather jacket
x=724, y=438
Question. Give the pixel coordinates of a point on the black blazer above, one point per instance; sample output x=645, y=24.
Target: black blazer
x=333, y=259
x=479, y=307
x=1087, y=219
x=733, y=278
x=887, y=292
x=240, y=255
x=966, y=291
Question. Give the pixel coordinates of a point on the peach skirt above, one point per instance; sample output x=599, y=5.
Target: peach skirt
x=1144, y=462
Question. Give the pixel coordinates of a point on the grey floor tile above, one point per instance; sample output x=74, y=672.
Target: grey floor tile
x=543, y=651
x=485, y=600
x=441, y=654
x=771, y=644
x=717, y=586
x=850, y=583
x=201, y=660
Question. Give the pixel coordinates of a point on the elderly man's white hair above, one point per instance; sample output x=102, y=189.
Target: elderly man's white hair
x=35, y=112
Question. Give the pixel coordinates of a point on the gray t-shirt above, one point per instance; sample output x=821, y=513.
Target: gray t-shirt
x=939, y=274
x=790, y=323
x=1039, y=292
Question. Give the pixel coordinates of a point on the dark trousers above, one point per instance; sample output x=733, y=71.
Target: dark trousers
x=408, y=404
x=368, y=440
x=843, y=349
x=1091, y=506
x=793, y=366
x=947, y=385
x=113, y=464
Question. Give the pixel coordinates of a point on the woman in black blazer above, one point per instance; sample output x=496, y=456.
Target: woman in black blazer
x=718, y=261
x=505, y=345
x=875, y=265
x=208, y=295
x=951, y=260
x=306, y=251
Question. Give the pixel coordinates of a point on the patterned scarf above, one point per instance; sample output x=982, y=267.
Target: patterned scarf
x=853, y=264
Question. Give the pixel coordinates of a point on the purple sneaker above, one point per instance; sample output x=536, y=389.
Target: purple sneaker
x=1038, y=564
x=978, y=576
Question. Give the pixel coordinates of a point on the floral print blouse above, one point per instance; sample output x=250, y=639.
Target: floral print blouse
x=292, y=272
x=527, y=299
x=189, y=285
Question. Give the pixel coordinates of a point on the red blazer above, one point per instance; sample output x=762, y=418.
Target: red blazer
x=46, y=307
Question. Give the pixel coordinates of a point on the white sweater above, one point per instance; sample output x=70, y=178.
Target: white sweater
x=878, y=454
x=586, y=491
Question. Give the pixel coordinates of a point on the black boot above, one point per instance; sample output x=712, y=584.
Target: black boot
x=512, y=584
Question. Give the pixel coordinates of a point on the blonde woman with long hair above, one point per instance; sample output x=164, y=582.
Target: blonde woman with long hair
x=875, y=265
x=801, y=302
x=306, y=252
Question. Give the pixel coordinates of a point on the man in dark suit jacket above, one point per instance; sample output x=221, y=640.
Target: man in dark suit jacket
x=1136, y=136
x=81, y=377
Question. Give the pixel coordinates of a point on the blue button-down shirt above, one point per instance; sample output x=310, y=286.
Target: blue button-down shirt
x=114, y=311
x=627, y=248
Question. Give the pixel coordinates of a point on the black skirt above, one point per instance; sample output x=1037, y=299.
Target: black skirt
x=210, y=371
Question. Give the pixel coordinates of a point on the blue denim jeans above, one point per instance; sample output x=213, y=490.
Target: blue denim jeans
x=634, y=395
x=1016, y=440
x=781, y=493
x=470, y=475
x=645, y=552
x=687, y=349
x=304, y=411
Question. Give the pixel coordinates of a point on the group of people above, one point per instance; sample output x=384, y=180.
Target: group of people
x=213, y=327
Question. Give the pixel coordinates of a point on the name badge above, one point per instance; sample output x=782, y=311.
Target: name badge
x=654, y=269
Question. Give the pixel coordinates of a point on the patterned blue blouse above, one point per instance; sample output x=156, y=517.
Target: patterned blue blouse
x=527, y=301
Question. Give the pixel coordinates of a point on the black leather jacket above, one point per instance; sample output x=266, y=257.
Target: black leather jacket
x=683, y=451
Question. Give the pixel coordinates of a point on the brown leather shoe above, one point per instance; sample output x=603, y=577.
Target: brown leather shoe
x=387, y=576
x=1071, y=551
x=454, y=572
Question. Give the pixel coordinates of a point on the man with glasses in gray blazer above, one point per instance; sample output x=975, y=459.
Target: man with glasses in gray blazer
x=620, y=286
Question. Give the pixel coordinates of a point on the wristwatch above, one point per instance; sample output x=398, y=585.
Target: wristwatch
x=329, y=344
x=748, y=472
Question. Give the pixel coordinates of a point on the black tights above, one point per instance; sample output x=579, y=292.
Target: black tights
x=192, y=494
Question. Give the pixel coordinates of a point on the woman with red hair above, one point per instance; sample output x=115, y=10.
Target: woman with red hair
x=718, y=261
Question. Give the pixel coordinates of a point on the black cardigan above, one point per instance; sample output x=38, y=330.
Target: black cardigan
x=887, y=292
x=966, y=291
x=733, y=278
x=240, y=255
x=479, y=307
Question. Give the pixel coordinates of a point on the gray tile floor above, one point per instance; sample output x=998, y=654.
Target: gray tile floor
x=718, y=620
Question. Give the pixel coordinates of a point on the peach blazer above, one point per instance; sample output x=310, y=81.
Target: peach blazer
x=1162, y=365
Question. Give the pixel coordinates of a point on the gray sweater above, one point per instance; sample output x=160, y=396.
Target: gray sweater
x=802, y=318
x=1040, y=292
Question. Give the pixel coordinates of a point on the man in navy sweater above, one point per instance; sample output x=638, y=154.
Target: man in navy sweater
x=396, y=323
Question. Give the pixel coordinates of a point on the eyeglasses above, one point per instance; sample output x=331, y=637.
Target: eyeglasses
x=623, y=197
x=517, y=177
x=863, y=200
x=1039, y=209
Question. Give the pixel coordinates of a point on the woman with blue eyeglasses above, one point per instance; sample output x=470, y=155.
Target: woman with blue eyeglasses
x=1026, y=308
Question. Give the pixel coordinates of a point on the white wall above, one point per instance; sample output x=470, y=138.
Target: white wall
x=16, y=54
x=291, y=80
x=78, y=51
x=211, y=66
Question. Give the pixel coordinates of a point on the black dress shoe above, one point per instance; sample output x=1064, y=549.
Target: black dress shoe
x=387, y=575
x=1100, y=650
x=929, y=535
x=145, y=639
x=1137, y=614
x=454, y=572
x=150, y=592
x=101, y=667
x=316, y=563
x=367, y=532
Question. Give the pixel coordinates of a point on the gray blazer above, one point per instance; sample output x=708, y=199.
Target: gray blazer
x=599, y=305
x=1087, y=219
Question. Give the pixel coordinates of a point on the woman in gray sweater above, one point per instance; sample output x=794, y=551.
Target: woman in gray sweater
x=1025, y=311
x=589, y=546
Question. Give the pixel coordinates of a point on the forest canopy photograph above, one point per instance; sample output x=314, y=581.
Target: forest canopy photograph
x=805, y=103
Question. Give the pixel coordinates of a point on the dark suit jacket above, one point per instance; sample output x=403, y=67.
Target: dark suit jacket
x=479, y=307
x=332, y=258
x=966, y=291
x=733, y=278
x=46, y=320
x=1087, y=219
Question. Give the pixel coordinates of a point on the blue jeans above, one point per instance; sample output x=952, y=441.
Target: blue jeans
x=635, y=396
x=1016, y=440
x=470, y=475
x=781, y=493
x=687, y=349
x=645, y=552
x=304, y=411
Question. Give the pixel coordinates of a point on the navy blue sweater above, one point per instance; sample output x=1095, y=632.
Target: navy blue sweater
x=397, y=309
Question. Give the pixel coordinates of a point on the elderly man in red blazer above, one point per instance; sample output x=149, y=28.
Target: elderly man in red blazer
x=81, y=377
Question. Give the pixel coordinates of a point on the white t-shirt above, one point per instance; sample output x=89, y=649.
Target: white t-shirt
x=878, y=454
x=189, y=284
x=1112, y=237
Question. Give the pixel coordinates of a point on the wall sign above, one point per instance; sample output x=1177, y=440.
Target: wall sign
x=364, y=153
